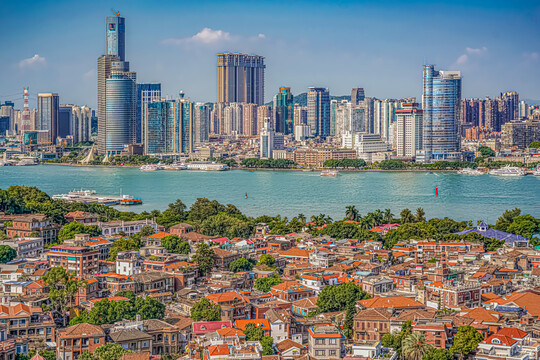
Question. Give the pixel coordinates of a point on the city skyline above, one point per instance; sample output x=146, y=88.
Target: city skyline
x=182, y=54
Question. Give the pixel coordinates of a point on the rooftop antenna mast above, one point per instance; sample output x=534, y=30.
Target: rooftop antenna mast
x=116, y=13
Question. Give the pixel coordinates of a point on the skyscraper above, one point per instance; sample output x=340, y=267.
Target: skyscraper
x=408, y=130
x=116, y=37
x=441, y=106
x=284, y=111
x=48, y=106
x=146, y=92
x=104, y=72
x=201, y=119
x=318, y=117
x=121, y=110
x=65, y=119
x=187, y=138
x=357, y=96
x=249, y=120
x=264, y=114
x=240, y=78
x=162, y=127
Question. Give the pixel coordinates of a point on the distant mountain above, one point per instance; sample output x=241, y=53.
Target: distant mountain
x=301, y=99
x=532, y=102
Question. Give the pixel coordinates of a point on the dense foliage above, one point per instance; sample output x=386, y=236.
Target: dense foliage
x=466, y=340
x=108, y=351
x=345, y=163
x=7, y=254
x=70, y=230
x=175, y=245
x=205, y=310
x=240, y=265
x=62, y=290
x=264, y=284
x=268, y=163
x=109, y=312
x=340, y=297
x=204, y=258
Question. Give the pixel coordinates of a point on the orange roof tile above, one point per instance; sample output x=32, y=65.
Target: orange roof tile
x=379, y=302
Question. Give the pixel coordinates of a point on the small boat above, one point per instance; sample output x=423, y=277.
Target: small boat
x=332, y=172
x=508, y=171
x=128, y=201
x=469, y=171
x=149, y=168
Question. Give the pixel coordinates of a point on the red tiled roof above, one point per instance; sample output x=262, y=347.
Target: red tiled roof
x=210, y=326
x=159, y=235
x=502, y=340
x=379, y=302
x=512, y=332
x=263, y=323
x=218, y=350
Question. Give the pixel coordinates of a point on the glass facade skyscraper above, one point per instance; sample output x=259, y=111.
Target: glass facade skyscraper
x=162, y=124
x=48, y=107
x=318, y=116
x=121, y=110
x=146, y=93
x=441, y=107
x=116, y=36
x=284, y=111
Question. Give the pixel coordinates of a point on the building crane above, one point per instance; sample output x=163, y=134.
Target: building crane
x=116, y=13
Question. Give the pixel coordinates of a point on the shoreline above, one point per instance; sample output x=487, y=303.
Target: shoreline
x=265, y=169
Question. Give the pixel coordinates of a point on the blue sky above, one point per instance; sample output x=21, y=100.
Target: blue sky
x=53, y=46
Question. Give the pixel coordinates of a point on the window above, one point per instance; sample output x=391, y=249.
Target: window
x=333, y=341
x=319, y=341
x=96, y=340
x=145, y=344
x=331, y=352
x=320, y=352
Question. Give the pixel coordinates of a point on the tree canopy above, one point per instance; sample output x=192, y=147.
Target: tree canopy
x=240, y=265
x=466, y=340
x=175, y=245
x=339, y=297
x=70, y=230
x=7, y=254
x=264, y=284
x=204, y=309
x=204, y=258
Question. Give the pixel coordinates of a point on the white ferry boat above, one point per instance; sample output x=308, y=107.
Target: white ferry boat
x=206, y=166
x=149, y=168
x=90, y=196
x=469, y=171
x=508, y=171
x=332, y=172
x=175, y=167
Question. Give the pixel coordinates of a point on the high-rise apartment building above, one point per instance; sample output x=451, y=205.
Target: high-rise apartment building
x=249, y=120
x=162, y=127
x=408, y=130
x=7, y=109
x=300, y=114
x=264, y=114
x=441, y=107
x=48, y=106
x=146, y=93
x=318, y=117
x=116, y=37
x=357, y=96
x=201, y=118
x=82, y=123
x=240, y=78
x=65, y=120
x=520, y=133
x=284, y=111
x=187, y=136
x=511, y=101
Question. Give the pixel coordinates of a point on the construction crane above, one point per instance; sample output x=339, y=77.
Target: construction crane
x=116, y=13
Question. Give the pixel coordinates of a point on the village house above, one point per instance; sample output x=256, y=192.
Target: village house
x=73, y=340
x=24, y=225
x=82, y=217
x=326, y=342
x=291, y=291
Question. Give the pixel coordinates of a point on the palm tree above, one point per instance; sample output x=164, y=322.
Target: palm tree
x=420, y=215
x=351, y=213
x=302, y=218
x=388, y=216
x=414, y=346
x=406, y=216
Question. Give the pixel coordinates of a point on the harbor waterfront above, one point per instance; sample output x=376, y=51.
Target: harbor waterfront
x=288, y=193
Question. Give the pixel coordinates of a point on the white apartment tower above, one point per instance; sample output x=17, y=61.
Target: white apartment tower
x=409, y=130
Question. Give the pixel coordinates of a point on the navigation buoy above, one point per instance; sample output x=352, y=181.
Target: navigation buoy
x=436, y=191
x=246, y=195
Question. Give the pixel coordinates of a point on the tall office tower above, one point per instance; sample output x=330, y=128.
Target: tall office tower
x=201, y=118
x=7, y=109
x=318, y=104
x=116, y=37
x=65, y=119
x=384, y=115
x=48, y=106
x=340, y=117
x=284, y=111
x=146, y=92
x=269, y=141
x=249, y=120
x=357, y=96
x=104, y=72
x=300, y=114
x=440, y=100
x=121, y=109
x=264, y=113
x=4, y=125
x=26, y=123
x=187, y=138
x=240, y=78
x=162, y=127
x=523, y=109
x=408, y=130
x=511, y=100
x=333, y=117
x=81, y=119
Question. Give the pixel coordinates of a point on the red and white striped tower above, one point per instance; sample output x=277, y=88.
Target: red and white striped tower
x=26, y=124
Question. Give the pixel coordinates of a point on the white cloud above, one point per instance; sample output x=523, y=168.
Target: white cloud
x=32, y=62
x=532, y=56
x=208, y=36
x=90, y=74
x=469, y=53
x=205, y=36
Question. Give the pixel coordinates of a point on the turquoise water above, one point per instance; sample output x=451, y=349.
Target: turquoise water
x=461, y=197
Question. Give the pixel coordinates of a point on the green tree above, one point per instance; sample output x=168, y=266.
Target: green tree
x=224, y=224
x=47, y=354
x=204, y=309
x=149, y=308
x=524, y=225
x=340, y=297
x=7, y=254
x=122, y=244
x=535, y=144
x=349, y=320
x=267, y=260
x=204, y=258
x=391, y=165
x=506, y=219
x=466, y=341
x=175, y=245
x=239, y=265
x=175, y=214
x=486, y=151
x=62, y=291
x=110, y=351
x=254, y=333
x=70, y=230
x=420, y=215
x=351, y=212
x=415, y=346
x=267, y=344
x=264, y=284
x=438, y=354
x=406, y=216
